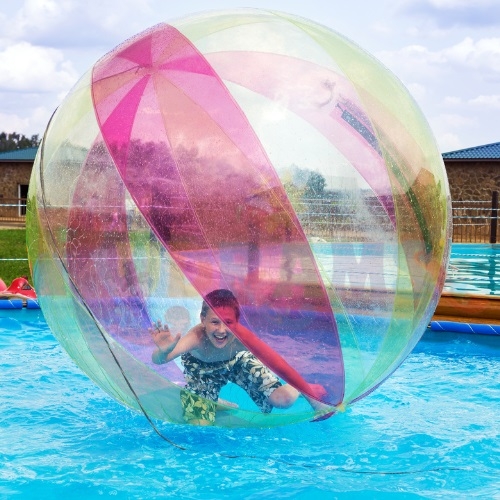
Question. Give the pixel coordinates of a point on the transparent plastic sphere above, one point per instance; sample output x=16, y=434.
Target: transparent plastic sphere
x=247, y=150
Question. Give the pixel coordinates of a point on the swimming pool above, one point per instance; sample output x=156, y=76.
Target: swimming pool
x=430, y=431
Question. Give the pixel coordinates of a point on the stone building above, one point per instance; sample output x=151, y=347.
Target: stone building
x=15, y=172
x=473, y=173
x=474, y=179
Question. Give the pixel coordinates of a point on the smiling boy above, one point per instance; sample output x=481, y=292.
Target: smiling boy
x=212, y=356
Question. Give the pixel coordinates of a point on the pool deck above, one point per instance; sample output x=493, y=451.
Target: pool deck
x=468, y=308
x=471, y=292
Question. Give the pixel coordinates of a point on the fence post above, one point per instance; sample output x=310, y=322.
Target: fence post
x=494, y=217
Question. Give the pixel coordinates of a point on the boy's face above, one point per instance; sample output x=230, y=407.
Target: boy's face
x=215, y=323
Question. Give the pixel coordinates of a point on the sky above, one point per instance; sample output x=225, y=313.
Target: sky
x=446, y=52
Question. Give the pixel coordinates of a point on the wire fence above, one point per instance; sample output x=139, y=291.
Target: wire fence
x=350, y=220
x=13, y=212
x=475, y=221
x=346, y=218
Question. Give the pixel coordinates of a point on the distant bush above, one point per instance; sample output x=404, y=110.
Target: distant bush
x=13, y=141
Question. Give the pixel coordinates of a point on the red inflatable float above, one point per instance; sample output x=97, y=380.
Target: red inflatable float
x=19, y=288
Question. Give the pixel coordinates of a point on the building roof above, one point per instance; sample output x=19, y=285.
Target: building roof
x=486, y=152
x=27, y=154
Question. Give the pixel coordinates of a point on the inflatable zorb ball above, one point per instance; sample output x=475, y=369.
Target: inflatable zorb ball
x=253, y=151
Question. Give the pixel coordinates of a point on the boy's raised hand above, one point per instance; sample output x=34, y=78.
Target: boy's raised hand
x=163, y=337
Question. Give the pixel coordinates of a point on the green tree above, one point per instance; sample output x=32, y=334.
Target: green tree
x=13, y=141
x=315, y=185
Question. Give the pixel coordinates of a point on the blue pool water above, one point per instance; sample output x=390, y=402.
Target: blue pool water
x=431, y=431
x=474, y=268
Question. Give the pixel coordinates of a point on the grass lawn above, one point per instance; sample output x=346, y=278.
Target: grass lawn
x=13, y=246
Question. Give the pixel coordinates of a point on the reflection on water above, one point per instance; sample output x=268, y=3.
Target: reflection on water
x=473, y=269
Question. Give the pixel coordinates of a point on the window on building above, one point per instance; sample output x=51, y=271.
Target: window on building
x=22, y=194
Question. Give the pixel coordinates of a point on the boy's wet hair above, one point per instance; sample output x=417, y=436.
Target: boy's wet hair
x=220, y=298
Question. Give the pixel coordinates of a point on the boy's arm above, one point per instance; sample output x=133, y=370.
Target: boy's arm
x=175, y=346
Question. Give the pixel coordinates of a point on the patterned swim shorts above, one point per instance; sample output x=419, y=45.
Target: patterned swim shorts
x=207, y=379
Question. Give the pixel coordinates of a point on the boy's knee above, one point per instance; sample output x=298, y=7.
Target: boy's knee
x=284, y=396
